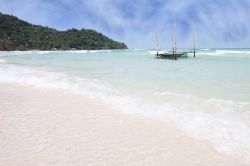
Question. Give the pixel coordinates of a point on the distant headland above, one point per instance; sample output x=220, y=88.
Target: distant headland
x=16, y=34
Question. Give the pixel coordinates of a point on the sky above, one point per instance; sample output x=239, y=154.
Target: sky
x=216, y=23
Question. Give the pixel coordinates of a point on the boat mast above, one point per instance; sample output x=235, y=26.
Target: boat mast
x=174, y=40
x=175, y=45
x=157, y=44
x=194, y=43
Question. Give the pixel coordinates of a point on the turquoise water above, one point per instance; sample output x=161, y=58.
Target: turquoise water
x=207, y=97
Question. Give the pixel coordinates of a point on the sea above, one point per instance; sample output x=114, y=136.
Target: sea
x=207, y=97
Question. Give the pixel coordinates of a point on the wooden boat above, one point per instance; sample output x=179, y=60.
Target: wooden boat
x=174, y=54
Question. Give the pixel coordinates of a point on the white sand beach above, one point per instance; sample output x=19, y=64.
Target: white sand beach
x=52, y=127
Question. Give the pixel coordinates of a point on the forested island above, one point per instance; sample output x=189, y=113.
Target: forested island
x=16, y=34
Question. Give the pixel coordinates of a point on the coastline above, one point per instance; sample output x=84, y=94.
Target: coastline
x=55, y=127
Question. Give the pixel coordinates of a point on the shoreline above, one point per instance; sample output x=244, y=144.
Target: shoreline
x=55, y=127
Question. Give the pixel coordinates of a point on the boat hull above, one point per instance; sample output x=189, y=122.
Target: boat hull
x=172, y=56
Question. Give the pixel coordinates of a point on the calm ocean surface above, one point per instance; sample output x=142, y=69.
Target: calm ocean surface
x=207, y=97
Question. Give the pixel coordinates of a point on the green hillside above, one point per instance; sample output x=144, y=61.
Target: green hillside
x=16, y=34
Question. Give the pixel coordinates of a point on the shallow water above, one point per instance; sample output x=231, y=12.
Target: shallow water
x=207, y=97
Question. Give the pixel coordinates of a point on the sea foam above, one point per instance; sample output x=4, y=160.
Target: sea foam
x=224, y=52
x=2, y=61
